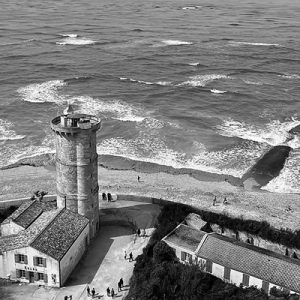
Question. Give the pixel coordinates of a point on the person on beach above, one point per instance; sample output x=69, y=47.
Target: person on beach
x=112, y=293
x=121, y=282
x=93, y=292
x=139, y=178
x=66, y=298
x=138, y=232
x=130, y=256
x=88, y=290
x=108, y=292
x=215, y=201
x=225, y=201
x=103, y=196
x=119, y=287
x=125, y=255
x=70, y=297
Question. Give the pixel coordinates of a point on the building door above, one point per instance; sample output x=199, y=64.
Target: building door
x=31, y=277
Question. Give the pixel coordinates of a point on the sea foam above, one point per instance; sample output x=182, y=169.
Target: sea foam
x=75, y=40
x=217, y=91
x=203, y=80
x=234, y=43
x=272, y=133
x=43, y=92
x=6, y=133
x=172, y=43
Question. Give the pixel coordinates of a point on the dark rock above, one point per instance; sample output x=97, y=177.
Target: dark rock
x=268, y=166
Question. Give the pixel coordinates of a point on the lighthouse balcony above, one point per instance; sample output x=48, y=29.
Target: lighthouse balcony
x=75, y=123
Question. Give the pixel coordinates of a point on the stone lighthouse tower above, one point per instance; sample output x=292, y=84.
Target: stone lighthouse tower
x=76, y=164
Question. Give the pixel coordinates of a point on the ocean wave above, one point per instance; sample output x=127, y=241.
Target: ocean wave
x=43, y=92
x=203, y=80
x=234, y=43
x=115, y=109
x=196, y=64
x=273, y=133
x=6, y=133
x=162, y=83
x=75, y=40
x=150, y=148
x=172, y=43
x=290, y=76
x=217, y=91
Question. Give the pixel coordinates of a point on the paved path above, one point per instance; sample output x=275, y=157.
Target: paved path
x=104, y=263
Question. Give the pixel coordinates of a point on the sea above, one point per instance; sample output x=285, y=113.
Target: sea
x=207, y=85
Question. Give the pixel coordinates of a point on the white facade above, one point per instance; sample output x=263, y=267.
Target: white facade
x=36, y=267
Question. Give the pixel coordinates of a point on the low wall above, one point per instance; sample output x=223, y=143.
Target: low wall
x=17, y=202
x=144, y=199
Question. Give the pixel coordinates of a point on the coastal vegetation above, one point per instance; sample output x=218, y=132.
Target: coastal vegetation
x=262, y=229
x=158, y=274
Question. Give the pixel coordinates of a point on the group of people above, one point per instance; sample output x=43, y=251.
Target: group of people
x=215, y=201
x=107, y=197
x=90, y=292
x=130, y=256
x=141, y=232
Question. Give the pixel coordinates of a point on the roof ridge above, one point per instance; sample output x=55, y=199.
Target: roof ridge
x=30, y=204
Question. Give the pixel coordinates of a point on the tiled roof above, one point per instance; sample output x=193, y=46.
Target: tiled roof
x=56, y=239
x=186, y=237
x=258, y=262
x=29, y=211
x=25, y=237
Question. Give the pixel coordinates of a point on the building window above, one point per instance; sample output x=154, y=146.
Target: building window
x=39, y=261
x=245, y=280
x=21, y=258
x=40, y=276
x=20, y=273
x=183, y=255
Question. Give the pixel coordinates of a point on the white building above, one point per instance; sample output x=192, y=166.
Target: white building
x=234, y=261
x=42, y=244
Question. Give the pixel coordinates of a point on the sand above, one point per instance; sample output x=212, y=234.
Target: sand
x=280, y=210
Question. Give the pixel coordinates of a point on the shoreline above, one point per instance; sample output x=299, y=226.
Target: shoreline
x=280, y=210
x=112, y=162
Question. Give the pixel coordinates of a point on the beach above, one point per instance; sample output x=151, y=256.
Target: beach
x=194, y=188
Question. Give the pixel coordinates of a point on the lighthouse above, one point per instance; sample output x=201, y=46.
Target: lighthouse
x=77, y=164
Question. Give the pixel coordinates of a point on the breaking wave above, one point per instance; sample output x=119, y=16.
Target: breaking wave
x=150, y=148
x=6, y=133
x=273, y=133
x=217, y=91
x=172, y=43
x=43, y=92
x=234, y=43
x=203, y=80
x=290, y=76
x=162, y=83
x=73, y=39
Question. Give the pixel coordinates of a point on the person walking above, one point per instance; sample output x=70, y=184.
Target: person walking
x=112, y=293
x=119, y=287
x=138, y=232
x=139, y=178
x=108, y=292
x=214, y=201
x=125, y=255
x=130, y=256
x=93, y=292
x=121, y=282
x=88, y=291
